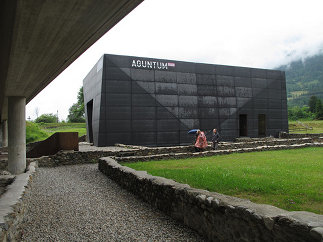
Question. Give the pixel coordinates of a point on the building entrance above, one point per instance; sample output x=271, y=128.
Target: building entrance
x=89, y=107
x=243, y=125
x=262, y=124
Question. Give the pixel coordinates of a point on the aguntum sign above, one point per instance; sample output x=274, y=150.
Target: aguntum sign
x=145, y=64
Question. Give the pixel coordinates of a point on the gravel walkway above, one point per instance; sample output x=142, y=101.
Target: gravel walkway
x=78, y=203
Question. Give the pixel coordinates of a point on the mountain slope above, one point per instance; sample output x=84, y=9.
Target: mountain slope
x=304, y=79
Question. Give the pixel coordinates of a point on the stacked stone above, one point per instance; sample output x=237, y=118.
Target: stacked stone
x=215, y=216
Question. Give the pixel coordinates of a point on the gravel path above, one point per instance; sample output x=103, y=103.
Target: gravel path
x=78, y=203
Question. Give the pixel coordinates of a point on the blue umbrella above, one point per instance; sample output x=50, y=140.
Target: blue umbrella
x=192, y=131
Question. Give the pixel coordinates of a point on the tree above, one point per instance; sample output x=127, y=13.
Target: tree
x=295, y=113
x=312, y=103
x=318, y=109
x=76, y=111
x=46, y=118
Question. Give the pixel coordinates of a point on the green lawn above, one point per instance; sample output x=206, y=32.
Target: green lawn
x=51, y=128
x=289, y=179
x=317, y=126
x=38, y=132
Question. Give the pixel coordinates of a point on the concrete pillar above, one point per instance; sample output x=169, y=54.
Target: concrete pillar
x=17, y=135
x=4, y=129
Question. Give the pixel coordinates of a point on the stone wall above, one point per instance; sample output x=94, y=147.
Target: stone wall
x=251, y=143
x=230, y=149
x=285, y=135
x=175, y=152
x=12, y=205
x=215, y=216
x=71, y=158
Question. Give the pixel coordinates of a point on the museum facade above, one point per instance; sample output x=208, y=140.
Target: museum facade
x=155, y=102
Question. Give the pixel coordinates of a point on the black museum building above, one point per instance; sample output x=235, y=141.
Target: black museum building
x=154, y=102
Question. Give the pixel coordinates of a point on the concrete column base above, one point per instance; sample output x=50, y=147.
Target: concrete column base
x=4, y=129
x=17, y=135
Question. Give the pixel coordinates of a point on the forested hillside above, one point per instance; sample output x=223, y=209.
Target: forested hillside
x=304, y=79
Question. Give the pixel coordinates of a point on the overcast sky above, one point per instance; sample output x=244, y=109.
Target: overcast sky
x=253, y=33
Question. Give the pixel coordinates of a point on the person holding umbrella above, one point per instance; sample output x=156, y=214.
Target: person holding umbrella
x=201, y=142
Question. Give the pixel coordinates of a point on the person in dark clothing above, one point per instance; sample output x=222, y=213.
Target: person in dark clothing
x=215, y=139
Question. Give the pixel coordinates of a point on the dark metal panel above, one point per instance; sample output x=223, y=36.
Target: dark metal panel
x=118, y=125
x=244, y=102
x=242, y=71
x=274, y=94
x=167, y=125
x=188, y=124
x=167, y=112
x=186, y=78
x=168, y=138
x=116, y=73
x=143, y=100
x=227, y=101
x=143, y=87
x=258, y=73
x=242, y=82
x=260, y=103
x=187, y=101
x=118, y=99
x=206, y=90
x=167, y=100
x=207, y=101
x=166, y=88
x=208, y=113
x=187, y=89
x=225, y=80
x=224, y=70
x=205, y=79
x=228, y=124
x=204, y=68
x=118, y=138
x=143, y=125
x=260, y=93
x=274, y=84
x=208, y=124
x=259, y=82
x=142, y=75
x=225, y=91
x=118, y=86
x=274, y=103
x=144, y=113
x=243, y=92
x=228, y=113
x=187, y=112
x=117, y=112
x=165, y=76
x=144, y=138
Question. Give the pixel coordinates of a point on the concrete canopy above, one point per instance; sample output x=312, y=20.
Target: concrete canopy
x=39, y=39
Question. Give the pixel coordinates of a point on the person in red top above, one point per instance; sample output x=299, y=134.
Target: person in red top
x=201, y=142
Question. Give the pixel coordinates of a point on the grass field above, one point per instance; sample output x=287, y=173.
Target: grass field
x=289, y=179
x=317, y=126
x=37, y=132
x=64, y=127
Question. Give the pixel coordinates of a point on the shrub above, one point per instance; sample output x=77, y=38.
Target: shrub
x=46, y=118
x=34, y=133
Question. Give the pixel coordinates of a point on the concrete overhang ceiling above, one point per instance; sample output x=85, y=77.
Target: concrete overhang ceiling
x=40, y=38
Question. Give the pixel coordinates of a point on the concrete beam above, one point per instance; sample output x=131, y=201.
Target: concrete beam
x=17, y=135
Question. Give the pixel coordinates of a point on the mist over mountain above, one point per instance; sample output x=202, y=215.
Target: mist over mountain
x=304, y=78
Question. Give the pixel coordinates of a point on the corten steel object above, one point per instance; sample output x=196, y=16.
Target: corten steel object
x=53, y=144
